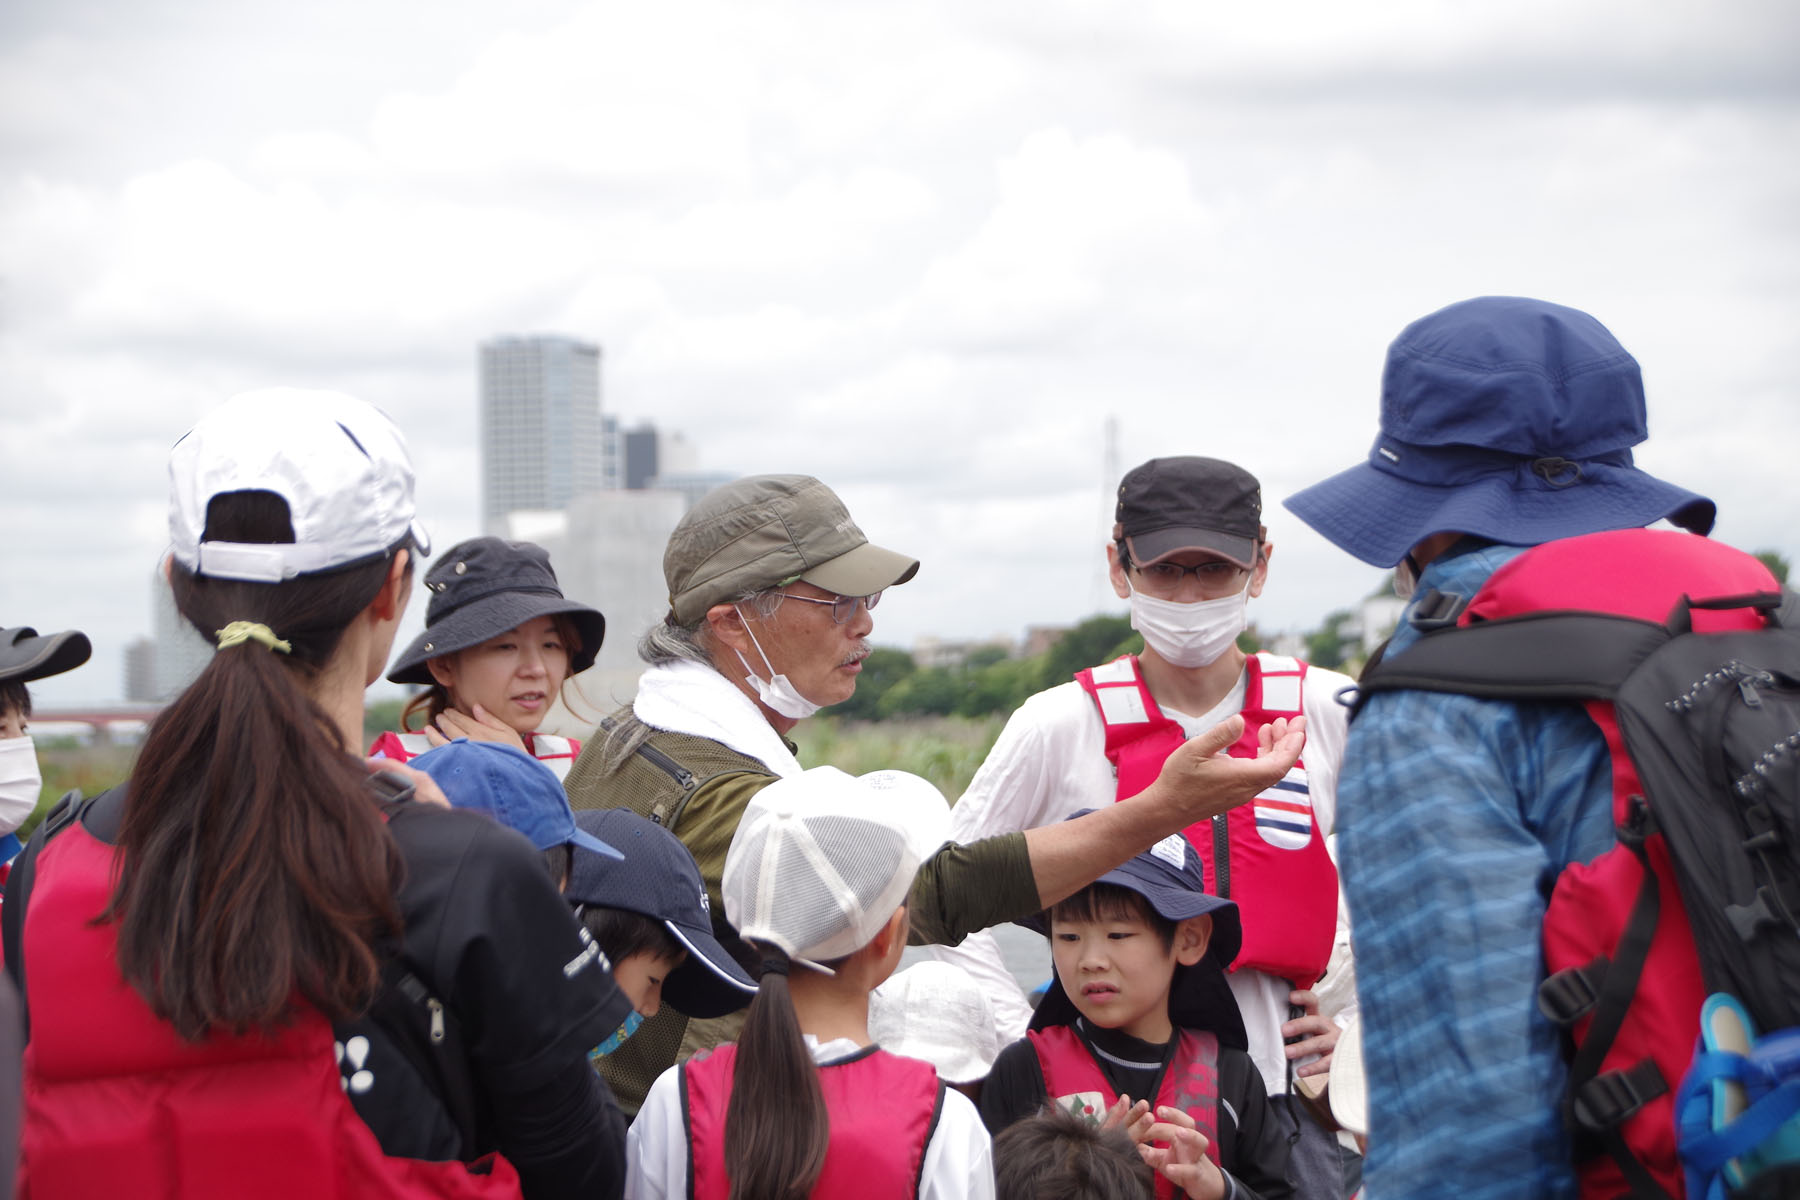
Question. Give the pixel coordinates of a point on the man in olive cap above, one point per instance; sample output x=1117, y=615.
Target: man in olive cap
x=771, y=589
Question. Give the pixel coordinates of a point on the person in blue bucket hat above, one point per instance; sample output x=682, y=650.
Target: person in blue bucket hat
x=1505, y=423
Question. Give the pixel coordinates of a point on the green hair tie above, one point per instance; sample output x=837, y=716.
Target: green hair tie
x=239, y=632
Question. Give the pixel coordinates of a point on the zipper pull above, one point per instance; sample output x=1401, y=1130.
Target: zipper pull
x=1747, y=679
x=437, y=1018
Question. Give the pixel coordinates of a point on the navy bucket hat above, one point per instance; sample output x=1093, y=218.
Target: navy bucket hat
x=483, y=587
x=1506, y=418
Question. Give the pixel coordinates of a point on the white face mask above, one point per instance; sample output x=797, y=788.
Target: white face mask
x=777, y=692
x=1406, y=577
x=1189, y=635
x=20, y=781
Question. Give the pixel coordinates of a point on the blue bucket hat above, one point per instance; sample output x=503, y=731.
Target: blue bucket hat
x=513, y=788
x=1506, y=418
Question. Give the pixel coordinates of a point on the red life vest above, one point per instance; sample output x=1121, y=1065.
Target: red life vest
x=1074, y=1082
x=1268, y=855
x=883, y=1111
x=1643, y=574
x=118, y=1104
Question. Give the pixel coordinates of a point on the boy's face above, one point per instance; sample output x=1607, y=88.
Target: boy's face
x=1117, y=971
x=640, y=976
x=12, y=722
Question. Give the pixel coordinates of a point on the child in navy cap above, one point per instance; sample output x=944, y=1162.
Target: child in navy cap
x=1139, y=1007
x=649, y=914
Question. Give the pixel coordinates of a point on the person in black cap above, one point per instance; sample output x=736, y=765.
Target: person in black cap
x=26, y=655
x=1190, y=552
x=500, y=641
x=1138, y=1009
x=1506, y=423
x=651, y=918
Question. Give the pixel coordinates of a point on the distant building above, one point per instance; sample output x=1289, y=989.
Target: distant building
x=180, y=652
x=542, y=439
x=1039, y=638
x=691, y=484
x=140, y=671
x=930, y=651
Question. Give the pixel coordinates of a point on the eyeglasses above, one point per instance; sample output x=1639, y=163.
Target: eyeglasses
x=842, y=607
x=1213, y=574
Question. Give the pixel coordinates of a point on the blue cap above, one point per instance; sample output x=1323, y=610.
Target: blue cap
x=1506, y=418
x=657, y=878
x=512, y=787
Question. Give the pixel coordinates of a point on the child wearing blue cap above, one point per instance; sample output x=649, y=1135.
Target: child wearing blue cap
x=516, y=790
x=1139, y=1008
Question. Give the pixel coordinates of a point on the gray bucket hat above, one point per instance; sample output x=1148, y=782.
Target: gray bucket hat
x=766, y=531
x=486, y=586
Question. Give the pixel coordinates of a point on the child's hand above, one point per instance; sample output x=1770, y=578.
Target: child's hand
x=1183, y=1162
x=1134, y=1119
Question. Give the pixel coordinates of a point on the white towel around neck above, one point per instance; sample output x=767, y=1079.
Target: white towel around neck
x=692, y=698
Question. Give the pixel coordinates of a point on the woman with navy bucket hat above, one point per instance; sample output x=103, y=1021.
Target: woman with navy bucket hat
x=500, y=641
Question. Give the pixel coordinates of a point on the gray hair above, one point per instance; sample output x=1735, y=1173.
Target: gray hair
x=667, y=642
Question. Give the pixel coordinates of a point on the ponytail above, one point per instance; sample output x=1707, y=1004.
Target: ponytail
x=254, y=869
x=776, y=1132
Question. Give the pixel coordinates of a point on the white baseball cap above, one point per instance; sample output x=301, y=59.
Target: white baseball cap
x=821, y=860
x=339, y=463
x=936, y=1011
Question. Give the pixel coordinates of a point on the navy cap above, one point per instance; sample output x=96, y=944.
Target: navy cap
x=1507, y=418
x=657, y=878
x=1169, y=878
x=512, y=787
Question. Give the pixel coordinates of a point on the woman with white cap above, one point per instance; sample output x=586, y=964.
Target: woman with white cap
x=805, y=1104
x=500, y=641
x=255, y=970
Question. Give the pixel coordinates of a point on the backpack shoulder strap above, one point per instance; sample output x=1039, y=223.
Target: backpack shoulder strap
x=64, y=813
x=1539, y=656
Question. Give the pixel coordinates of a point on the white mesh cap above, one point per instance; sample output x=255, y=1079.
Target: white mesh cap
x=936, y=1011
x=339, y=462
x=822, y=859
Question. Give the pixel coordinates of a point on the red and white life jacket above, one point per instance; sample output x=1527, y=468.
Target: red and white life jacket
x=1074, y=1082
x=557, y=753
x=1268, y=855
x=883, y=1111
x=118, y=1104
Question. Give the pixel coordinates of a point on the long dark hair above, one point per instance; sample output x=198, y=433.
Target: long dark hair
x=254, y=868
x=776, y=1132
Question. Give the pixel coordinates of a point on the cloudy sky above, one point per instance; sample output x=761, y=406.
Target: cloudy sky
x=923, y=251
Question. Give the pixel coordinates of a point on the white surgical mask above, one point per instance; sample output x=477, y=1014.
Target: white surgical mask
x=1406, y=577
x=20, y=781
x=777, y=691
x=1189, y=635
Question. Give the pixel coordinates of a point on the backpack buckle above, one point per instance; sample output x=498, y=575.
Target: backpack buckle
x=1605, y=1101
x=1572, y=992
x=1437, y=610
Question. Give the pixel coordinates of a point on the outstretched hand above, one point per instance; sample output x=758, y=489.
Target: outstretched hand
x=1200, y=780
x=1182, y=1161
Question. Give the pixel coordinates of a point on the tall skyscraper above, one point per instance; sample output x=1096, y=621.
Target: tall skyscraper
x=541, y=433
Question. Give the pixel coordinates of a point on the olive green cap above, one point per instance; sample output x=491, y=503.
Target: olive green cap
x=765, y=531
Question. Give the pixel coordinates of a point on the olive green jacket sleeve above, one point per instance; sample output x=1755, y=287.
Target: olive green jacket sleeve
x=962, y=889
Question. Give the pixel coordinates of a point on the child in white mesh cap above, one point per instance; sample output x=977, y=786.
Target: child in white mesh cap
x=805, y=1104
